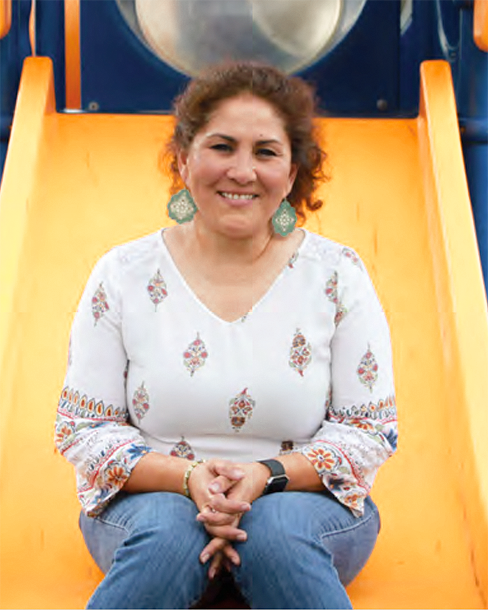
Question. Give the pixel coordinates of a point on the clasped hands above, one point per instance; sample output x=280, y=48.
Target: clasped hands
x=223, y=491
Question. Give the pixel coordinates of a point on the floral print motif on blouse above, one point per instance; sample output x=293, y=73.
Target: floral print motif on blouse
x=140, y=402
x=333, y=296
x=293, y=260
x=99, y=303
x=125, y=374
x=70, y=352
x=183, y=449
x=353, y=257
x=368, y=369
x=287, y=447
x=328, y=400
x=157, y=289
x=240, y=410
x=300, y=353
x=195, y=355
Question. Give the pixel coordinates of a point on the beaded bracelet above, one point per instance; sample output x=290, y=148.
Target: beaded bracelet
x=186, y=478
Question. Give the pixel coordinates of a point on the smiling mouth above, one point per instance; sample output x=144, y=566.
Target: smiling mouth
x=238, y=196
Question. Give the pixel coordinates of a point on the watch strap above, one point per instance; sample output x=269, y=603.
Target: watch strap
x=278, y=479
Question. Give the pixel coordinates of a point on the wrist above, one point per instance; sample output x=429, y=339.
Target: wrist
x=260, y=475
x=186, y=477
x=277, y=479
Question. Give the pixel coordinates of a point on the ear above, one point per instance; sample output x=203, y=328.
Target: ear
x=182, y=158
x=292, y=176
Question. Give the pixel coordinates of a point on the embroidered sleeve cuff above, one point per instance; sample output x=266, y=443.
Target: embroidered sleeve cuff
x=106, y=476
x=336, y=473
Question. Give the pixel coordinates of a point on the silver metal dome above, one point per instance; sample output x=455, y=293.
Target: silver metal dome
x=192, y=34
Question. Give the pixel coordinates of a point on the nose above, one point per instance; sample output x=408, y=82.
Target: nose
x=242, y=168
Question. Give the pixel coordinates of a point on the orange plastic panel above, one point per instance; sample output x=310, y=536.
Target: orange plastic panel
x=5, y=17
x=75, y=185
x=72, y=53
x=480, y=24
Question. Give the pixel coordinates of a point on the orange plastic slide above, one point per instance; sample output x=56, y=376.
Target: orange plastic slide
x=77, y=184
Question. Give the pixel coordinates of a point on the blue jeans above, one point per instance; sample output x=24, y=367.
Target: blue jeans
x=302, y=549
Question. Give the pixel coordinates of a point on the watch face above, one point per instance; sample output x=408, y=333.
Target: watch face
x=276, y=483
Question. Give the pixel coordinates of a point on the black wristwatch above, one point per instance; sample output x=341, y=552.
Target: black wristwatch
x=278, y=479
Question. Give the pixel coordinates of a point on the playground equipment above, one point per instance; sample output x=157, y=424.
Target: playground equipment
x=76, y=184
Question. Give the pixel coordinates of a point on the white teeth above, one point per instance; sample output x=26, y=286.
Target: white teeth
x=236, y=196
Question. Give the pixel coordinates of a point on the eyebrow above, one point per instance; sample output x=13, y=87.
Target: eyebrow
x=233, y=140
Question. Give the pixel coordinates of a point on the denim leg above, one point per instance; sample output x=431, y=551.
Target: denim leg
x=302, y=548
x=148, y=546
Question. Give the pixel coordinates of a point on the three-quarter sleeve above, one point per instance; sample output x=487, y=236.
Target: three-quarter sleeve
x=359, y=431
x=92, y=424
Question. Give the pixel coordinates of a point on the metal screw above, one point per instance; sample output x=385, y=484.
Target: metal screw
x=382, y=105
x=94, y=106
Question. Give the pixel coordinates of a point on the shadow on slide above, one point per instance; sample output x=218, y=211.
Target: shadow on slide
x=76, y=184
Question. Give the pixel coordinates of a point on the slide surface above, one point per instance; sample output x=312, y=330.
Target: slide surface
x=77, y=184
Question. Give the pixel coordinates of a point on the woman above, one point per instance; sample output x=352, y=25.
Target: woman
x=230, y=396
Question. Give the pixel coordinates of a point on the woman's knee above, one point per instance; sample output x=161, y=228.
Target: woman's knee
x=298, y=527
x=283, y=562
x=278, y=532
x=152, y=525
x=279, y=516
x=352, y=545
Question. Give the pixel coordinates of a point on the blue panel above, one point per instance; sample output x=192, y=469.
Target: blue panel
x=472, y=74
x=119, y=74
x=476, y=159
x=472, y=99
x=363, y=69
x=13, y=49
x=433, y=34
x=416, y=44
x=373, y=72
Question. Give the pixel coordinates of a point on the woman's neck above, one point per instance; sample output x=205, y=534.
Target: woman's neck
x=214, y=247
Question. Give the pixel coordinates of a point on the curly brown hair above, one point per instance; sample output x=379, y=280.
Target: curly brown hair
x=291, y=96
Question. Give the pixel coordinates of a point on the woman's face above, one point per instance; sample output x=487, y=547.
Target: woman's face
x=238, y=167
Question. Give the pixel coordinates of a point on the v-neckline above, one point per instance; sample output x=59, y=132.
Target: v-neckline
x=255, y=306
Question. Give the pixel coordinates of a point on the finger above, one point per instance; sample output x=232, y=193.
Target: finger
x=226, y=532
x=215, y=518
x=225, y=514
x=221, y=484
x=216, y=565
x=231, y=555
x=222, y=504
x=227, y=469
x=213, y=547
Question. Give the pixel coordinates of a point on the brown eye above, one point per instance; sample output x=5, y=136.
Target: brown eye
x=266, y=152
x=221, y=147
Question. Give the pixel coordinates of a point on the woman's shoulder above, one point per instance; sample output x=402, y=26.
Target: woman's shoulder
x=133, y=252
x=327, y=251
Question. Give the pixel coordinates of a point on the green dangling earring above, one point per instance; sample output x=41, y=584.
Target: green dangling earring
x=181, y=207
x=284, y=219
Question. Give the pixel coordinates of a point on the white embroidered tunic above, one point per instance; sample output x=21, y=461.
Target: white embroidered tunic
x=307, y=370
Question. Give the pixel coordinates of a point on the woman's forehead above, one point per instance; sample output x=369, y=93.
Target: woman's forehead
x=243, y=112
